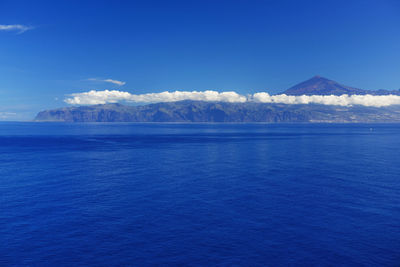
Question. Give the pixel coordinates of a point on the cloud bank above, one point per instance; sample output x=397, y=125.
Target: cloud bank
x=113, y=96
x=15, y=27
x=119, y=83
x=342, y=100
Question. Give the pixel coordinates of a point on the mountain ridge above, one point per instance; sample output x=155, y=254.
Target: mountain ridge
x=318, y=85
x=200, y=111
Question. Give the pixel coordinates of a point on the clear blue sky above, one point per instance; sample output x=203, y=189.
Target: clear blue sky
x=153, y=46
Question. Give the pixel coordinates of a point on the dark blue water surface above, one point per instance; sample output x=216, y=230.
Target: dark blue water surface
x=199, y=194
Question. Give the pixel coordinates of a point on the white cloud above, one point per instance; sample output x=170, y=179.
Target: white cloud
x=7, y=115
x=114, y=96
x=119, y=83
x=15, y=27
x=342, y=100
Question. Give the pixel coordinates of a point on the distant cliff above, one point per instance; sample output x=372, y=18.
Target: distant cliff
x=198, y=111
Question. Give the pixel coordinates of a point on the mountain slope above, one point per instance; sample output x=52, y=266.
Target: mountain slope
x=318, y=85
x=198, y=111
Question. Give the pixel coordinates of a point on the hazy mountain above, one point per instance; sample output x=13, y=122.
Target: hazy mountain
x=318, y=85
x=198, y=111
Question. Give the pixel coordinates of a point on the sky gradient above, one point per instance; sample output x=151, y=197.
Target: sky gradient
x=67, y=47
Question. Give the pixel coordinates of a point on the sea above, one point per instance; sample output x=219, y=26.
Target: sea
x=131, y=194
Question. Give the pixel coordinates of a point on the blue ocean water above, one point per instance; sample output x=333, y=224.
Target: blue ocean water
x=199, y=194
